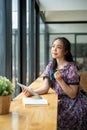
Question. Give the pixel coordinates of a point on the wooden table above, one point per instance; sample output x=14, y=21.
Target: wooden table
x=31, y=117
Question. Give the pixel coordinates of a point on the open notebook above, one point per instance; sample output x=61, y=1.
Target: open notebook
x=37, y=100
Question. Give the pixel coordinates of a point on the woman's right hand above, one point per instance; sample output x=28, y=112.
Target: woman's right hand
x=26, y=92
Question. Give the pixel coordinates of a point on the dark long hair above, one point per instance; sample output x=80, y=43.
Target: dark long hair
x=67, y=47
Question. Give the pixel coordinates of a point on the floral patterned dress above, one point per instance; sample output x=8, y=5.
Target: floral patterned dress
x=72, y=113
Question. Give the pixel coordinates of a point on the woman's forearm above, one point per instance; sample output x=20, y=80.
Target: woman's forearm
x=42, y=90
x=70, y=90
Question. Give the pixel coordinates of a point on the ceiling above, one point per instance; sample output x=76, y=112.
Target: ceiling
x=64, y=10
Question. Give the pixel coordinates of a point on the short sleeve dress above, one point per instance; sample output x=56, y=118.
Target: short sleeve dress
x=72, y=113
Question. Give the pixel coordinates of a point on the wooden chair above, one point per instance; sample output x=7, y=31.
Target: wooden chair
x=83, y=80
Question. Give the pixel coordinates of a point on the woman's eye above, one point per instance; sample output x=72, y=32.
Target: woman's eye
x=59, y=47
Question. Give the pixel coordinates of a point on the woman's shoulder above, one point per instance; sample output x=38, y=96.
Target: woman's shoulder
x=72, y=65
x=49, y=65
x=47, y=69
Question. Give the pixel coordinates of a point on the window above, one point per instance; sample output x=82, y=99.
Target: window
x=15, y=46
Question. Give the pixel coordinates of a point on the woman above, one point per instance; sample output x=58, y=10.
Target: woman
x=63, y=76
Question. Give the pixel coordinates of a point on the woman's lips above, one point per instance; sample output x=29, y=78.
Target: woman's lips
x=54, y=53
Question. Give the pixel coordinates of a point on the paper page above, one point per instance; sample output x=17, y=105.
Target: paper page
x=29, y=89
x=34, y=101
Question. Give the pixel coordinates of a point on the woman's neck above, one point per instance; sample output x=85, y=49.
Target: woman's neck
x=61, y=63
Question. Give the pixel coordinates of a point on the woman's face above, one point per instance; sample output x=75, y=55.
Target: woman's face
x=57, y=49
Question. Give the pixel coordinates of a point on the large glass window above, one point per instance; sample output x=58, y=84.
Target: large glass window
x=32, y=41
x=42, y=43
x=81, y=51
x=27, y=37
x=15, y=45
